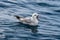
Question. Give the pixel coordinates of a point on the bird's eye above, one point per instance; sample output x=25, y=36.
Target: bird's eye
x=35, y=15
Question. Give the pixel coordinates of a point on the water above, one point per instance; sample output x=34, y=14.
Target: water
x=49, y=23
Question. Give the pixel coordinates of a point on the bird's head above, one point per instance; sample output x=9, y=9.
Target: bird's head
x=35, y=15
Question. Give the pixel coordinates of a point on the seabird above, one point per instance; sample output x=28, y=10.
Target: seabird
x=33, y=20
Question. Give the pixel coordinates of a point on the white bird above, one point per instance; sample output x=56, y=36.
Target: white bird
x=33, y=20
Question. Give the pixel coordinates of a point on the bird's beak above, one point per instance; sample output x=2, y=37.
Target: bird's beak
x=38, y=17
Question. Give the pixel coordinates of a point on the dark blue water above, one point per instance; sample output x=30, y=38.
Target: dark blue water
x=49, y=23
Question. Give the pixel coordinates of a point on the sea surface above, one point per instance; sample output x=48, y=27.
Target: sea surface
x=49, y=20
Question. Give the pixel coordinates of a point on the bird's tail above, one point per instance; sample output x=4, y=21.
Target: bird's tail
x=17, y=16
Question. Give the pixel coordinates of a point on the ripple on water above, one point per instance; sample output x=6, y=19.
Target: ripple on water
x=49, y=20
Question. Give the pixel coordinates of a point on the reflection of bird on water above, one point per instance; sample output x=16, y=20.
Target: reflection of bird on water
x=33, y=29
x=33, y=20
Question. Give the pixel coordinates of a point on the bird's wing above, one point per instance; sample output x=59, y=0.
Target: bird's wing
x=26, y=20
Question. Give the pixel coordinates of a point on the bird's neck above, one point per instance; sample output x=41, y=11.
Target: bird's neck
x=34, y=18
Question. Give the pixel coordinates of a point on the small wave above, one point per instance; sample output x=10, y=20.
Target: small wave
x=19, y=4
x=57, y=11
x=4, y=6
x=46, y=5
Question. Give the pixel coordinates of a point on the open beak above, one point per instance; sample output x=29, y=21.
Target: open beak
x=38, y=17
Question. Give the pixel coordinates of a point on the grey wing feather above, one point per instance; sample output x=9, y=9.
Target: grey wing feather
x=27, y=20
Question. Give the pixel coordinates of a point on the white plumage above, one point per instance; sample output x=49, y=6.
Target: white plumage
x=33, y=20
